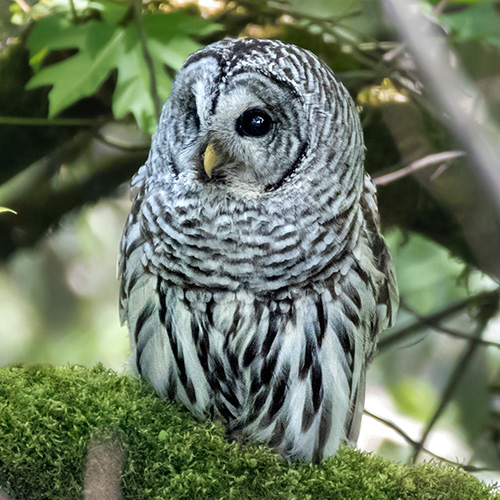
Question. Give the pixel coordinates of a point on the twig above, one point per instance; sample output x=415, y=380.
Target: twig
x=48, y=122
x=41, y=197
x=448, y=331
x=438, y=9
x=153, y=88
x=389, y=340
x=74, y=13
x=426, y=161
x=409, y=440
x=122, y=147
x=456, y=375
x=29, y=181
x=393, y=426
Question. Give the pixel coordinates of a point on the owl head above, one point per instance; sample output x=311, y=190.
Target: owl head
x=247, y=116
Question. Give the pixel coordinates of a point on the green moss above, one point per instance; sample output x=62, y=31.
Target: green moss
x=48, y=415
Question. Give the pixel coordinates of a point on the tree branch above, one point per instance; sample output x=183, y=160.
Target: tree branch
x=41, y=196
x=426, y=161
x=412, y=442
x=448, y=331
x=389, y=340
x=487, y=311
x=48, y=122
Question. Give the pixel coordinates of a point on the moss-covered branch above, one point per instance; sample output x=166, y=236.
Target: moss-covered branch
x=48, y=416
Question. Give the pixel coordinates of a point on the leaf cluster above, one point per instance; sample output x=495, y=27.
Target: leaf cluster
x=106, y=39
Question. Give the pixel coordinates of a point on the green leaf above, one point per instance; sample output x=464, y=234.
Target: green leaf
x=53, y=33
x=174, y=53
x=165, y=27
x=80, y=75
x=480, y=21
x=104, y=46
x=132, y=93
x=112, y=12
x=5, y=209
x=57, y=32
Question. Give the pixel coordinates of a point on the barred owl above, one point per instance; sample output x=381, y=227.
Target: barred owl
x=254, y=278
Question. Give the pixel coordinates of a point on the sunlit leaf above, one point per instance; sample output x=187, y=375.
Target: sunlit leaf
x=112, y=12
x=480, y=21
x=5, y=209
x=107, y=45
x=174, y=53
x=80, y=75
x=133, y=88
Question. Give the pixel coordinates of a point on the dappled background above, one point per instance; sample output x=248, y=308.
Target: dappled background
x=81, y=86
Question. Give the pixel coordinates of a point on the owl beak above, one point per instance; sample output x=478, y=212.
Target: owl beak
x=210, y=160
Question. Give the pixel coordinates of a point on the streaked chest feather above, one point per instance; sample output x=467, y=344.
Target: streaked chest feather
x=281, y=372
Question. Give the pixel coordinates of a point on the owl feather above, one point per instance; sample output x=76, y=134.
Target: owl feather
x=254, y=277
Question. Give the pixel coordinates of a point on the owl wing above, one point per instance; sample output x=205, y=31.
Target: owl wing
x=372, y=281
x=130, y=266
x=139, y=304
x=387, y=295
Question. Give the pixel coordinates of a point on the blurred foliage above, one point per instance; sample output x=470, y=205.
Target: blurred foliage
x=78, y=77
x=478, y=22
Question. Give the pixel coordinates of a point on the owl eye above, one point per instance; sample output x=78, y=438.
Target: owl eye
x=253, y=123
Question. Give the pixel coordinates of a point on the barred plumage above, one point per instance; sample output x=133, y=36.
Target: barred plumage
x=254, y=294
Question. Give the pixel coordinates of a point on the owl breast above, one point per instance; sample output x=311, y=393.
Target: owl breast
x=280, y=372
x=237, y=244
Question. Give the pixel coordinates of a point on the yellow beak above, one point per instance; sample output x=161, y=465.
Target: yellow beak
x=210, y=160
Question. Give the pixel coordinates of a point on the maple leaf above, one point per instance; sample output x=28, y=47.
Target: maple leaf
x=112, y=44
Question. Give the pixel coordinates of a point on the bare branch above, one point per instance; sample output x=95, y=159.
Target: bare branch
x=439, y=8
x=74, y=13
x=426, y=161
x=122, y=146
x=389, y=340
x=393, y=426
x=49, y=122
x=41, y=196
x=456, y=376
x=409, y=440
x=25, y=7
x=448, y=331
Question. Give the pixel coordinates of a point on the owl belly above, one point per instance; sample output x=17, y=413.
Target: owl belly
x=276, y=372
